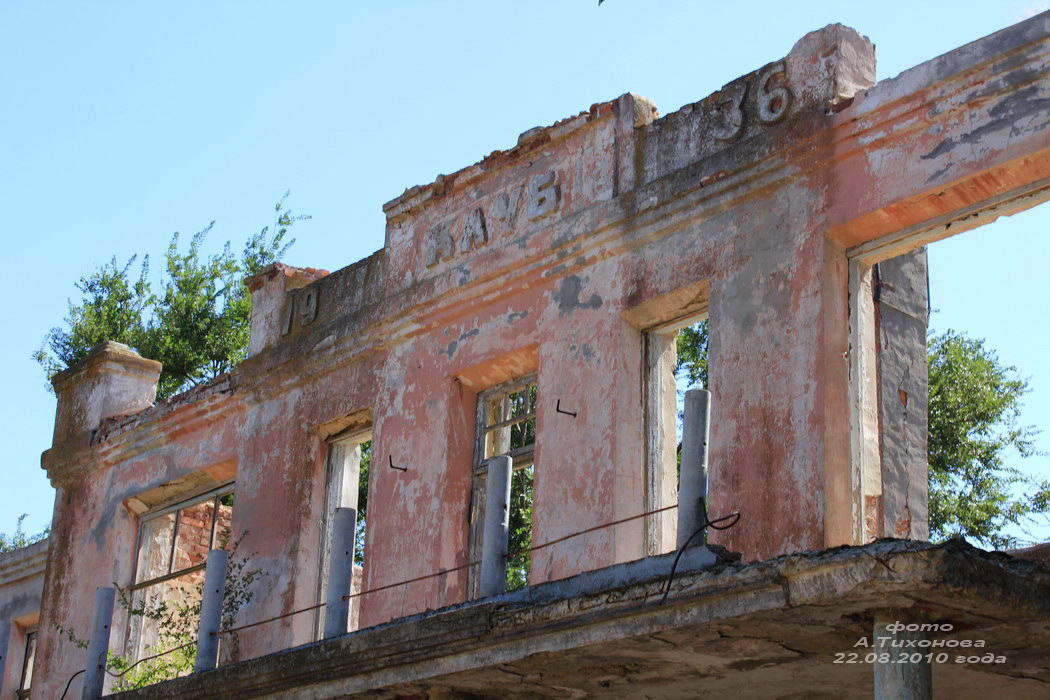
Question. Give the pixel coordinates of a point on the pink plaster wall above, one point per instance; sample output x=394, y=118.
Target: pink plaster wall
x=760, y=213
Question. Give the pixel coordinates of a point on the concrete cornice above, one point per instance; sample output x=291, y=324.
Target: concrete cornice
x=798, y=596
x=923, y=117
x=109, y=351
x=23, y=563
x=123, y=437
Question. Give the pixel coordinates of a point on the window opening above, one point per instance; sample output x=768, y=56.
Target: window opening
x=506, y=425
x=173, y=548
x=676, y=359
x=25, y=685
x=349, y=462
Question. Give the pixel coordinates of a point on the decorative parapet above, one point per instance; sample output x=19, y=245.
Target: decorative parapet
x=274, y=309
x=112, y=380
x=116, y=426
x=517, y=205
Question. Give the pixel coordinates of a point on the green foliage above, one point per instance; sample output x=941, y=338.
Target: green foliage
x=197, y=324
x=690, y=368
x=975, y=405
x=362, y=502
x=178, y=662
x=19, y=538
x=520, y=528
x=692, y=344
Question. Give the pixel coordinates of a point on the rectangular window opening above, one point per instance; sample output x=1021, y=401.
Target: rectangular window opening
x=26, y=683
x=349, y=462
x=676, y=360
x=506, y=425
x=165, y=597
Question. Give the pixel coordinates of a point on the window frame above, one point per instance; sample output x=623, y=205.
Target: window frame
x=334, y=497
x=660, y=348
x=214, y=495
x=28, y=661
x=523, y=457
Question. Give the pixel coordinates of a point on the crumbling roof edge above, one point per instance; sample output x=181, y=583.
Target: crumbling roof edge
x=116, y=426
x=528, y=141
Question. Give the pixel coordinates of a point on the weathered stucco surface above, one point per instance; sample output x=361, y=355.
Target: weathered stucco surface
x=21, y=585
x=555, y=257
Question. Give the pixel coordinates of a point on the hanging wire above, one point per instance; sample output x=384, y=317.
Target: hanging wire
x=271, y=619
x=646, y=514
x=70, y=682
x=713, y=524
x=413, y=580
x=150, y=658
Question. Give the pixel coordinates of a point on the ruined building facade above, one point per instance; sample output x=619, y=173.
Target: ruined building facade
x=528, y=304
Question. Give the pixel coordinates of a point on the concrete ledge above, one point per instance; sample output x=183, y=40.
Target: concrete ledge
x=23, y=563
x=782, y=620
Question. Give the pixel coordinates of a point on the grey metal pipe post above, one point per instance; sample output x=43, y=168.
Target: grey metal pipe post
x=5, y=639
x=496, y=530
x=98, y=647
x=693, y=484
x=340, y=572
x=211, y=611
x=900, y=681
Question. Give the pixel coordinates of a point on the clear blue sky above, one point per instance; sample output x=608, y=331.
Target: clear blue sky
x=126, y=121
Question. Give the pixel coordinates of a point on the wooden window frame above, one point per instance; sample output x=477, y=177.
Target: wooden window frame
x=214, y=495
x=30, y=641
x=336, y=496
x=523, y=458
x=661, y=489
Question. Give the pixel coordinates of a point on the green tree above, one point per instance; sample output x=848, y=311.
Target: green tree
x=975, y=439
x=197, y=324
x=362, y=502
x=692, y=355
x=20, y=538
x=520, y=528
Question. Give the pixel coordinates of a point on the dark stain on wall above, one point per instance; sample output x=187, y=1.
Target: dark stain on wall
x=450, y=350
x=568, y=296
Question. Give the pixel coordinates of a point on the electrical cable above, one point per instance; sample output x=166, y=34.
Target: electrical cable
x=713, y=524
x=70, y=682
x=149, y=658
